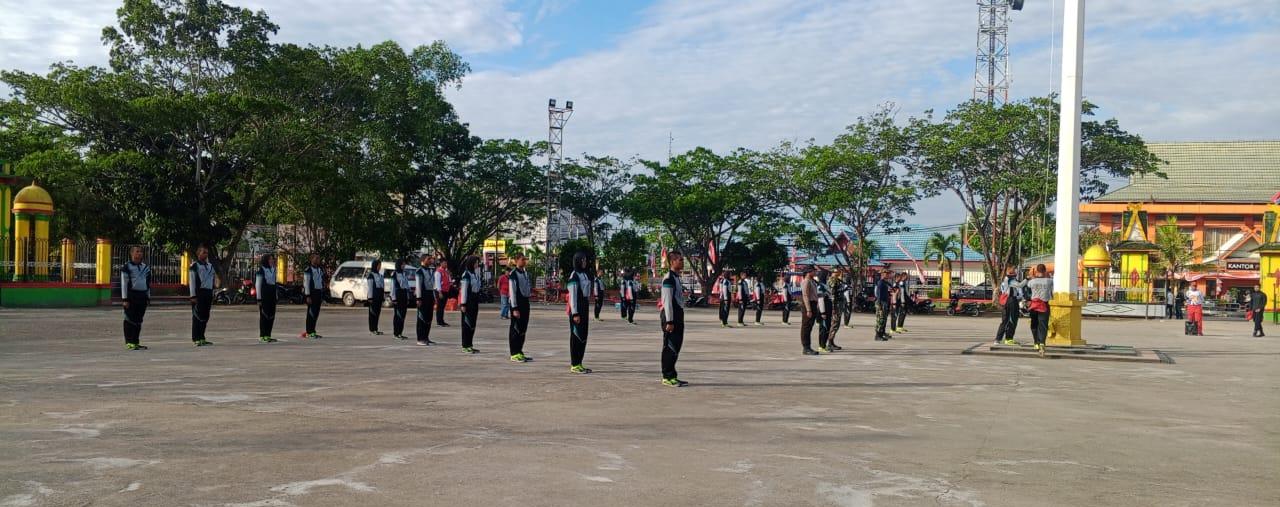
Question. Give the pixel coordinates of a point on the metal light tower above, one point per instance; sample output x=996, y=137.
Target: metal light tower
x=991, y=73
x=557, y=117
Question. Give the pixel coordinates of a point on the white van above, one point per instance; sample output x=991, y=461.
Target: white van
x=348, y=282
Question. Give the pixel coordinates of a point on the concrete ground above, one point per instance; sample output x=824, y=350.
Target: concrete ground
x=359, y=420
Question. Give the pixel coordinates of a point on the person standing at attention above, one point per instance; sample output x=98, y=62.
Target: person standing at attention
x=264, y=285
x=375, y=290
x=444, y=290
x=579, y=294
x=597, y=291
x=672, y=320
x=628, y=293
x=399, y=300
x=424, y=284
x=200, y=281
x=520, y=289
x=135, y=290
x=469, y=301
x=809, y=303
x=314, y=293
x=725, y=286
x=883, y=294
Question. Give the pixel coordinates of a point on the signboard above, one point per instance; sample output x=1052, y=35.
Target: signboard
x=495, y=246
x=1243, y=266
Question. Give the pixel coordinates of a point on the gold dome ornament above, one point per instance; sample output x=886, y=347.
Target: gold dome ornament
x=1096, y=257
x=34, y=200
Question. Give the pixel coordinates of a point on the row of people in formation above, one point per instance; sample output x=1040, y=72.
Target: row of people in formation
x=427, y=288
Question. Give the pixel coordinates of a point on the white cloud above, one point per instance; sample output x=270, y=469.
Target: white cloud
x=724, y=73
x=34, y=34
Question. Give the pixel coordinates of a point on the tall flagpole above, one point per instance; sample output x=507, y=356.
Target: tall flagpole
x=1066, y=307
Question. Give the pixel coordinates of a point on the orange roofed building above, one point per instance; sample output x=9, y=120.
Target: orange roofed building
x=1218, y=191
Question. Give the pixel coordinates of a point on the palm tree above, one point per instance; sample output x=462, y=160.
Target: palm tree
x=942, y=249
x=1175, y=251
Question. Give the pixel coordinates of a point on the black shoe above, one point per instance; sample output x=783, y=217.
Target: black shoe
x=835, y=347
x=810, y=352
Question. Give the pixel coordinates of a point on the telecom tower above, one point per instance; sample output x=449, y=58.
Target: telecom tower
x=991, y=73
x=557, y=117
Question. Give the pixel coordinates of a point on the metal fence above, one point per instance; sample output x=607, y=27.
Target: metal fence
x=166, y=268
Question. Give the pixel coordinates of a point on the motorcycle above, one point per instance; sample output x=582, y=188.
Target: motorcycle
x=290, y=293
x=971, y=309
x=920, y=305
x=241, y=295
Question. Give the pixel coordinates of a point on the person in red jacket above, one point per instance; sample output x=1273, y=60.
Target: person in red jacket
x=444, y=288
x=505, y=293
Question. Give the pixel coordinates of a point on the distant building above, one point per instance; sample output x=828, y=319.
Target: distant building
x=904, y=251
x=1218, y=192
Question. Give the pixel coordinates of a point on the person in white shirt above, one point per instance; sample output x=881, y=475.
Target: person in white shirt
x=1195, y=308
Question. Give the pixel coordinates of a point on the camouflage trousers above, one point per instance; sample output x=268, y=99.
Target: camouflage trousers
x=882, y=318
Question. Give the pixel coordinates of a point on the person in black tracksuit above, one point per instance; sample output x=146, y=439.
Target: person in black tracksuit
x=399, y=300
x=469, y=301
x=825, y=311
x=744, y=297
x=519, y=289
x=759, y=295
x=787, y=298
x=264, y=285
x=424, y=283
x=579, y=293
x=200, y=282
x=597, y=291
x=672, y=320
x=628, y=294
x=135, y=290
x=725, y=284
x=1011, y=293
x=314, y=292
x=809, y=305
x=375, y=290
x=1258, y=305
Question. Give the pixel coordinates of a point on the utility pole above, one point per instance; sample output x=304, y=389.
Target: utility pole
x=557, y=117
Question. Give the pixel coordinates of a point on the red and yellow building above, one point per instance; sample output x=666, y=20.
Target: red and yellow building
x=1218, y=192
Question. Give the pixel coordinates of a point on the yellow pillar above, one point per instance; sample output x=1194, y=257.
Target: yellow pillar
x=1269, y=262
x=42, y=247
x=282, y=264
x=182, y=268
x=946, y=285
x=1065, y=314
x=6, y=214
x=68, y=261
x=21, y=243
x=102, y=274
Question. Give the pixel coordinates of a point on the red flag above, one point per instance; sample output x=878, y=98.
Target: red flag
x=712, y=254
x=664, y=257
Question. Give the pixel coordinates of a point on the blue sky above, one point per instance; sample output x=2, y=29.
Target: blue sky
x=751, y=73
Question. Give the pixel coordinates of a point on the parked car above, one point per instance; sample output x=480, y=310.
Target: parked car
x=348, y=282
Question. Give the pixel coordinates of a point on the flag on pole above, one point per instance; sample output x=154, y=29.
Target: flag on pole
x=841, y=244
x=712, y=254
x=919, y=272
x=663, y=260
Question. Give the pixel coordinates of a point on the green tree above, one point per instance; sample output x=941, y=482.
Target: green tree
x=624, y=249
x=942, y=250
x=1000, y=161
x=591, y=190
x=699, y=198
x=1175, y=252
x=863, y=181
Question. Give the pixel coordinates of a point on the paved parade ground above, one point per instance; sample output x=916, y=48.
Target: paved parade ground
x=359, y=420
